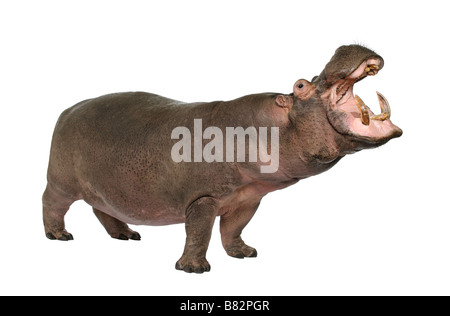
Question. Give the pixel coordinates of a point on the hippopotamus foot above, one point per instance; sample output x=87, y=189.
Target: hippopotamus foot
x=239, y=249
x=115, y=228
x=200, y=217
x=193, y=265
x=64, y=236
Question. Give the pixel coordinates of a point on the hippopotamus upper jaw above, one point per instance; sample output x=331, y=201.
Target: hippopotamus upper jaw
x=347, y=113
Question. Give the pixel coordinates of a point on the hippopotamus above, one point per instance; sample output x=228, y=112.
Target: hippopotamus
x=143, y=159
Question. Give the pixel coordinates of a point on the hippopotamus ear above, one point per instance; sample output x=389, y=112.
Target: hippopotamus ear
x=303, y=89
x=285, y=101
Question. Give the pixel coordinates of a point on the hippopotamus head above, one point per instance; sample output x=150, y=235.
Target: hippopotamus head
x=346, y=123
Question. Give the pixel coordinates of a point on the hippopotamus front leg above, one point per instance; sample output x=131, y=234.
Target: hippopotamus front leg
x=231, y=225
x=200, y=217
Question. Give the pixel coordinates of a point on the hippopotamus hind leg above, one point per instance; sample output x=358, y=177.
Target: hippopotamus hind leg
x=55, y=206
x=115, y=228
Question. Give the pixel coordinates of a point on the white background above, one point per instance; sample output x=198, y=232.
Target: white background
x=375, y=224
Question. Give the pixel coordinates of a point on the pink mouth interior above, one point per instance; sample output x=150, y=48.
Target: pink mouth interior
x=343, y=100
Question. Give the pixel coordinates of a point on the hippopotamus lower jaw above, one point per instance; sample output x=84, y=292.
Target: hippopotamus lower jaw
x=350, y=116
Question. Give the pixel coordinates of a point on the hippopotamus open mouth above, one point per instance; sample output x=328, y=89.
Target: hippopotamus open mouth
x=347, y=113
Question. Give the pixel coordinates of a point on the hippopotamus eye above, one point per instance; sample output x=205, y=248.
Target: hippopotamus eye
x=303, y=89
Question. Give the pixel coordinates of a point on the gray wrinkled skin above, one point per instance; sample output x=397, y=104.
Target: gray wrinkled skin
x=114, y=152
